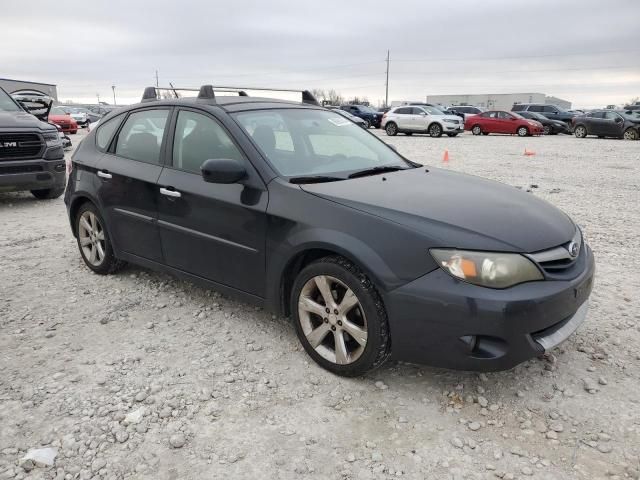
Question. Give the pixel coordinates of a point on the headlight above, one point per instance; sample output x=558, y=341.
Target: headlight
x=450, y=120
x=487, y=269
x=52, y=138
x=533, y=123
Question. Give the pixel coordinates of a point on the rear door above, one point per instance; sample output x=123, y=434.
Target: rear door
x=404, y=118
x=506, y=123
x=214, y=231
x=613, y=124
x=419, y=118
x=595, y=123
x=128, y=173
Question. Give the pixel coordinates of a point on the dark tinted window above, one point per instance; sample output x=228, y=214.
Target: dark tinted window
x=504, y=116
x=550, y=109
x=536, y=108
x=106, y=131
x=596, y=115
x=611, y=115
x=199, y=138
x=403, y=111
x=519, y=107
x=417, y=111
x=141, y=136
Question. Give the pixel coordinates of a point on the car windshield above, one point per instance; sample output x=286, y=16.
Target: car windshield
x=306, y=142
x=7, y=104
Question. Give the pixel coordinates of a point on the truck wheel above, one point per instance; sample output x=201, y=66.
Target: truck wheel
x=340, y=318
x=48, y=193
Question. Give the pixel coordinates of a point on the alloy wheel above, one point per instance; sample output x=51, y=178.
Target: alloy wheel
x=580, y=132
x=522, y=132
x=546, y=130
x=332, y=319
x=391, y=129
x=435, y=130
x=91, y=237
x=476, y=130
x=630, y=134
x=367, y=124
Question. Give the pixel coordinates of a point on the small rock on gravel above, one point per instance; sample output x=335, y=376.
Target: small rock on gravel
x=177, y=440
x=474, y=426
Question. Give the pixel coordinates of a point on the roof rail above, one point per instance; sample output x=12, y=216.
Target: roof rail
x=206, y=93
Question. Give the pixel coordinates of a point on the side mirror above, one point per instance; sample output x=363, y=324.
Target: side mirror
x=222, y=170
x=618, y=120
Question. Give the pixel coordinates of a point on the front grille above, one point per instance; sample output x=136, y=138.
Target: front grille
x=559, y=259
x=19, y=145
x=20, y=169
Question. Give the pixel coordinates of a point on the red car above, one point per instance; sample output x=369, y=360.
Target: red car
x=499, y=121
x=63, y=119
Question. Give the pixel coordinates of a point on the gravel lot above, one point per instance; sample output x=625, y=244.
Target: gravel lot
x=139, y=375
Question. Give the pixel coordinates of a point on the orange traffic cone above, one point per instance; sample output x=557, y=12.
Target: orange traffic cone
x=445, y=157
x=528, y=153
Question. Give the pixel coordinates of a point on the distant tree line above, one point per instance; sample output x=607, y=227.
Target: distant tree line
x=332, y=97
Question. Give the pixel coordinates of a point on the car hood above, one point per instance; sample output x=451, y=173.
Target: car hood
x=447, y=117
x=10, y=120
x=455, y=210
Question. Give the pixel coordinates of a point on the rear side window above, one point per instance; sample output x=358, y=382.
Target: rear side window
x=611, y=115
x=403, y=111
x=141, y=136
x=199, y=138
x=519, y=108
x=105, y=132
x=536, y=108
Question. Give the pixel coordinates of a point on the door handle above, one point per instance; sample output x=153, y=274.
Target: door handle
x=170, y=193
x=102, y=174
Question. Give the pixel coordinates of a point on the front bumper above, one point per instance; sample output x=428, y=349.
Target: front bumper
x=38, y=174
x=453, y=127
x=444, y=322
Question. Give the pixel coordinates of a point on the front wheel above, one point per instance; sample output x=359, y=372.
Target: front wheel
x=391, y=129
x=476, y=130
x=630, y=134
x=435, y=130
x=340, y=318
x=48, y=193
x=580, y=131
x=546, y=130
x=93, y=241
x=367, y=124
x=523, y=131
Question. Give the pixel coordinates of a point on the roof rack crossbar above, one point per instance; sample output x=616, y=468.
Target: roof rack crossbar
x=206, y=93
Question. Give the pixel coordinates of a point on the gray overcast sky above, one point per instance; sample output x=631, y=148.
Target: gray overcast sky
x=585, y=51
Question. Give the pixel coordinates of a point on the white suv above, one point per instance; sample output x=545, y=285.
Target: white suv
x=411, y=119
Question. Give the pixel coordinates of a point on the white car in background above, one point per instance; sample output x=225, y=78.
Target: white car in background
x=421, y=119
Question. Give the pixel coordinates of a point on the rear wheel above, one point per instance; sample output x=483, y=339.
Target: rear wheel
x=391, y=129
x=408, y=134
x=476, y=130
x=48, y=193
x=93, y=241
x=546, y=130
x=523, y=131
x=630, y=134
x=339, y=317
x=580, y=131
x=435, y=130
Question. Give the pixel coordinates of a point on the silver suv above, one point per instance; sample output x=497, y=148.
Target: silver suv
x=421, y=119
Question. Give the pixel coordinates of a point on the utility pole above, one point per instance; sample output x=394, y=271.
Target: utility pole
x=98, y=95
x=386, y=95
x=113, y=87
x=157, y=84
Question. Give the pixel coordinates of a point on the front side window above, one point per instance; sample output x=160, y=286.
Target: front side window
x=301, y=142
x=7, y=104
x=611, y=115
x=504, y=116
x=141, y=136
x=198, y=138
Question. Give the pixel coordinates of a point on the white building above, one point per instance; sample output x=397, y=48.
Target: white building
x=497, y=101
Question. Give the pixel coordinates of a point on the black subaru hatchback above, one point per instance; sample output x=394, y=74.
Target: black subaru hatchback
x=297, y=209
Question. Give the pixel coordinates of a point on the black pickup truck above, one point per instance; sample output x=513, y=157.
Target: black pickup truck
x=31, y=151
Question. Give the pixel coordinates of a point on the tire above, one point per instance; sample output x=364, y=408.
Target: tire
x=485, y=133
x=366, y=317
x=476, y=130
x=435, y=130
x=630, y=134
x=367, y=125
x=408, y=134
x=103, y=263
x=547, y=130
x=48, y=193
x=391, y=128
x=580, y=131
x=452, y=135
x=522, y=131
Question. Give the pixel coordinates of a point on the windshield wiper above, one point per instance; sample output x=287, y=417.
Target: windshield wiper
x=375, y=171
x=314, y=179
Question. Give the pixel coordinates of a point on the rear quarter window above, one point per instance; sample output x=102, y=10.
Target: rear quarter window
x=105, y=132
x=518, y=108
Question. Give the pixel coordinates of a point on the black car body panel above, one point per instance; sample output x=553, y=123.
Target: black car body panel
x=608, y=123
x=366, y=113
x=554, y=126
x=552, y=112
x=249, y=238
x=31, y=153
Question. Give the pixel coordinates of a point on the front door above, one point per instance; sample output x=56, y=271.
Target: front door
x=128, y=173
x=214, y=231
x=613, y=124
